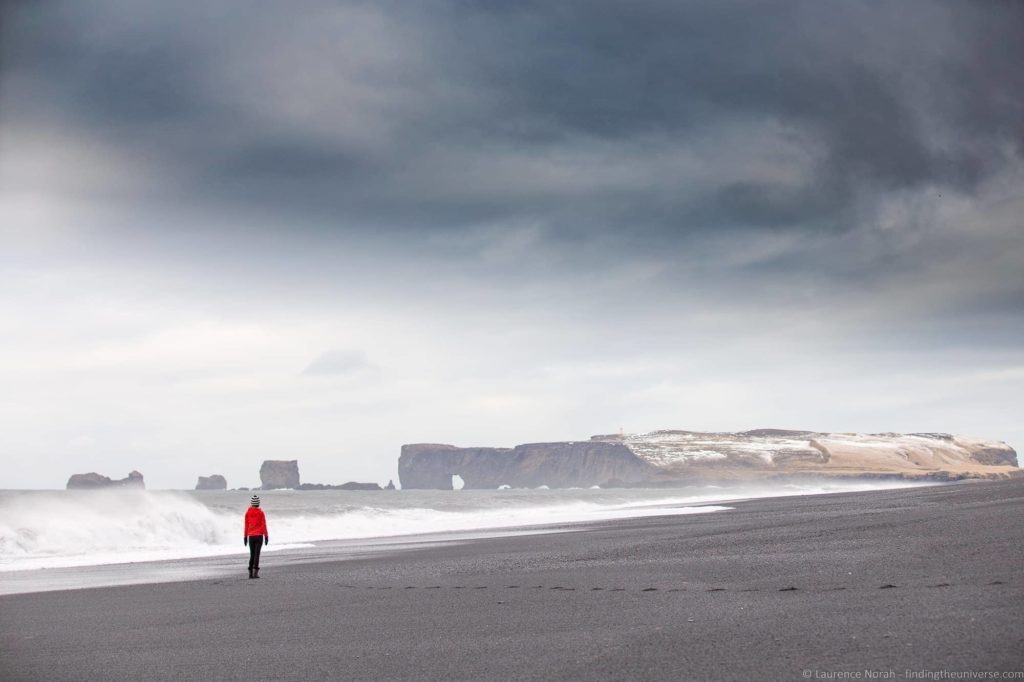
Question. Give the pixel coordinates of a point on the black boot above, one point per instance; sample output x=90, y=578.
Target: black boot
x=251, y=576
x=257, y=573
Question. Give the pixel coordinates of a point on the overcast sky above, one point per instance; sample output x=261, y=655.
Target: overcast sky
x=317, y=230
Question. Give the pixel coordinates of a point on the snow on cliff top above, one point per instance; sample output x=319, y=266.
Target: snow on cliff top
x=799, y=449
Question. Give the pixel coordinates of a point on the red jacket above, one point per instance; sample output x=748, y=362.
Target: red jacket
x=255, y=522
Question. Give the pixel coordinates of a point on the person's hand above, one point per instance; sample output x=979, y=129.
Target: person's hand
x=266, y=539
x=245, y=542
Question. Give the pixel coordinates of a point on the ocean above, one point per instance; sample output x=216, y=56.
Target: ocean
x=59, y=528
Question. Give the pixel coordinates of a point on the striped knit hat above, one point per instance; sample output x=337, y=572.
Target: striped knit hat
x=255, y=500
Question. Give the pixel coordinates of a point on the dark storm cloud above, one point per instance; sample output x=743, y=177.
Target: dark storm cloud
x=620, y=130
x=890, y=97
x=674, y=69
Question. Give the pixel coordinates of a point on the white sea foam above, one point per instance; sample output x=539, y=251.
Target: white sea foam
x=80, y=528
x=41, y=529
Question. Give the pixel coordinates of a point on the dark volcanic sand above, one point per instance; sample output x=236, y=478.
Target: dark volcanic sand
x=920, y=579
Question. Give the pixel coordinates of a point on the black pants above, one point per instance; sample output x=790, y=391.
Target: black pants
x=255, y=545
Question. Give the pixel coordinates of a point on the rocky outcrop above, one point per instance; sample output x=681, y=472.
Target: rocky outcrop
x=557, y=465
x=215, y=482
x=93, y=481
x=351, y=485
x=670, y=457
x=390, y=485
x=279, y=473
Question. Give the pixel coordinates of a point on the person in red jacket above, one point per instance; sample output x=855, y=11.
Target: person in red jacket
x=255, y=534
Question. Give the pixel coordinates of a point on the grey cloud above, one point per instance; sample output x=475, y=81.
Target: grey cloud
x=335, y=362
x=647, y=130
x=539, y=78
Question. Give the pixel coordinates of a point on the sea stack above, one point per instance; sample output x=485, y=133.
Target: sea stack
x=214, y=482
x=94, y=481
x=351, y=485
x=279, y=473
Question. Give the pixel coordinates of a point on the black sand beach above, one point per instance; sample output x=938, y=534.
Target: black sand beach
x=876, y=583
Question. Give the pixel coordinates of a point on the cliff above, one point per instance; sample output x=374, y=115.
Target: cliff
x=276, y=473
x=667, y=457
x=776, y=451
x=92, y=481
x=215, y=482
x=558, y=465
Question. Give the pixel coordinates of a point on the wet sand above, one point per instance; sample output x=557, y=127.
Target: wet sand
x=928, y=579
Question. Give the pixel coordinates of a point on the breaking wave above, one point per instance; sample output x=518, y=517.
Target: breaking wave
x=42, y=529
